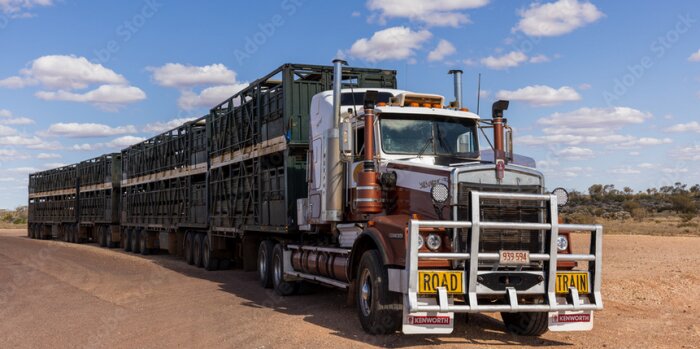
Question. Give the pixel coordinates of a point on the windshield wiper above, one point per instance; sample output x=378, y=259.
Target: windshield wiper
x=425, y=147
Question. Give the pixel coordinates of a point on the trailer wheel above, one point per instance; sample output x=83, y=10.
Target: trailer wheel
x=189, y=253
x=134, y=240
x=526, y=324
x=197, y=250
x=380, y=311
x=102, y=236
x=143, y=243
x=282, y=287
x=210, y=263
x=126, y=240
x=265, y=263
x=108, y=237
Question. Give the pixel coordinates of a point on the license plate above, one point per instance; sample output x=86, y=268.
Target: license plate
x=572, y=279
x=510, y=257
x=429, y=281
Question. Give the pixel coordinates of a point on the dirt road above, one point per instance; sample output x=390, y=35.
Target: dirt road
x=54, y=294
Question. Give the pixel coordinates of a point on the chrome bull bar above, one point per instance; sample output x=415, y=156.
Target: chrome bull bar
x=594, y=258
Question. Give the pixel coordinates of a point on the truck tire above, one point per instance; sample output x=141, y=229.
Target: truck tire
x=134, y=240
x=197, y=250
x=143, y=243
x=282, y=287
x=380, y=311
x=189, y=252
x=526, y=324
x=265, y=263
x=210, y=263
x=102, y=236
x=126, y=240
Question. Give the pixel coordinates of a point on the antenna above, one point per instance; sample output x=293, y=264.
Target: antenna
x=478, y=94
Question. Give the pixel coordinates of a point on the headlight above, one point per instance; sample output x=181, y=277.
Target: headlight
x=439, y=192
x=420, y=241
x=434, y=242
x=562, y=243
x=562, y=196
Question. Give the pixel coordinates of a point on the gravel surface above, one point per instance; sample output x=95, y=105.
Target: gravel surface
x=59, y=295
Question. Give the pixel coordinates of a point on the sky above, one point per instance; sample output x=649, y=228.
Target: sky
x=600, y=91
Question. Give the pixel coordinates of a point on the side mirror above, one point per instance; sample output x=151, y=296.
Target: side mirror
x=347, y=145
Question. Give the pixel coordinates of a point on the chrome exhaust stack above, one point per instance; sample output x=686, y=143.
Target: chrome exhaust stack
x=457, y=76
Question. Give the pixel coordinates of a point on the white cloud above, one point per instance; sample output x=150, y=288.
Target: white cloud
x=123, y=142
x=209, y=97
x=11, y=155
x=17, y=82
x=687, y=153
x=612, y=117
x=394, y=43
x=48, y=156
x=556, y=18
x=646, y=165
x=695, y=57
x=179, y=75
x=634, y=153
x=69, y=72
x=674, y=170
x=575, y=153
x=84, y=130
x=17, y=8
x=584, y=86
x=642, y=142
x=539, y=59
x=108, y=97
x=159, y=126
x=509, y=60
x=7, y=131
x=117, y=144
x=7, y=118
x=63, y=74
x=432, y=13
x=692, y=126
x=443, y=49
x=625, y=171
x=355, y=14
x=540, y=95
x=23, y=170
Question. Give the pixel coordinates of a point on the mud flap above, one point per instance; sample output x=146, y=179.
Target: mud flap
x=581, y=320
x=427, y=322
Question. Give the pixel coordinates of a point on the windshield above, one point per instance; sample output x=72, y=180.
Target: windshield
x=427, y=135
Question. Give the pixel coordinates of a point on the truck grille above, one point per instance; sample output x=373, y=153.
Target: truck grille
x=496, y=210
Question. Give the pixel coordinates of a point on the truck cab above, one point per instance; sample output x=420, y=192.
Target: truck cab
x=398, y=179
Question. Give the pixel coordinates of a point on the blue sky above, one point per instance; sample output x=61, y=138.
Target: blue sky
x=601, y=91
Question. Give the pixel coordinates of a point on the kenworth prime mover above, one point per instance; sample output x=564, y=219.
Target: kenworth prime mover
x=332, y=175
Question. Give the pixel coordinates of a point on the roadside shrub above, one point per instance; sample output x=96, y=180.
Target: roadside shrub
x=630, y=206
x=639, y=213
x=580, y=218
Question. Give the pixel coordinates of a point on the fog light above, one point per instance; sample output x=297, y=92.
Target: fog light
x=434, y=242
x=562, y=243
x=421, y=242
x=439, y=193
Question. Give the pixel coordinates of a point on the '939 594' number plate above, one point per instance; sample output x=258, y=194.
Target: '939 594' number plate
x=511, y=257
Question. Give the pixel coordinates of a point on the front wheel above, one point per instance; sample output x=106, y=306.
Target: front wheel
x=380, y=310
x=526, y=324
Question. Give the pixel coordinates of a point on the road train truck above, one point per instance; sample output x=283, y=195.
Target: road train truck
x=332, y=175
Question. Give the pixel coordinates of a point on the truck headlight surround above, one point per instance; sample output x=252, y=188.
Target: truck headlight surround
x=562, y=243
x=439, y=193
x=434, y=242
x=562, y=196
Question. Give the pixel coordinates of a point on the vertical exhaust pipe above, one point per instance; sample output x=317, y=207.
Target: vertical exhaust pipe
x=333, y=166
x=457, y=76
x=498, y=136
x=337, y=85
x=369, y=192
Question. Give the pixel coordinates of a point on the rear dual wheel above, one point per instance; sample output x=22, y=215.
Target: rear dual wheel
x=265, y=263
